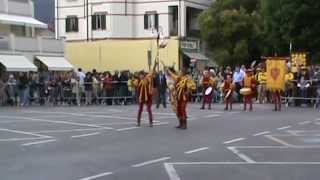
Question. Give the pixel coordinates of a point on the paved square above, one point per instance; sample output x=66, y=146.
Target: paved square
x=86, y=143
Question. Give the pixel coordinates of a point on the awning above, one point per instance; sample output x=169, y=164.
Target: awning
x=21, y=20
x=55, y=63
x=15, y=63
x=196, y=55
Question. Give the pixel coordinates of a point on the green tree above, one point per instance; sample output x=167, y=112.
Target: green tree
x=292, y=21
x=232, y=30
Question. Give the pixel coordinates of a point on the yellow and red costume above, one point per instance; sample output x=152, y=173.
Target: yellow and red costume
x=207, y=82
x=183, y=86
x=144, y=89
x=249, y=82
x=227, y=89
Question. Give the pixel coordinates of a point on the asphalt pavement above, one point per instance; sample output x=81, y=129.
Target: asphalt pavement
x=104, y=143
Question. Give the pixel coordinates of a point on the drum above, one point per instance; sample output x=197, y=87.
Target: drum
x=208, y=91
x=245, y=91
x=229, y=93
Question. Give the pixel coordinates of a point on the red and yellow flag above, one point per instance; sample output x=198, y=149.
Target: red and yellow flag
x=276, y=71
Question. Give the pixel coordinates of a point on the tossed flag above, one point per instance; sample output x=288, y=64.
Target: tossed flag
x=276, y=71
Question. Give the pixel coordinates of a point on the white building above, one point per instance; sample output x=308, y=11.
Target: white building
x=101, y=19
x=128, y=20
x=21, y=38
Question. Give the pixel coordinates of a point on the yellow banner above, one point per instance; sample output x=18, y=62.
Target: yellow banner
x=276, y=70
x=298, y=60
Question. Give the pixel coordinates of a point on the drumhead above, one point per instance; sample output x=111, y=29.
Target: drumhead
x=208, y=91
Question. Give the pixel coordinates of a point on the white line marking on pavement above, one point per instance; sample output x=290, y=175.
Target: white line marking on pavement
x=173, y=175
x=161, y=123
x=15, y=121
x=234, y=140
x=262, y=133
x=97, y=176
x=277, y=140
x=236, y=112
x=39, y=142
x=165, y=114
x=283, y=128
x=69, y=130
x=125, y=123
x=171, y=171
x=20, y=139
x=277, y=147
x=212, y=116
x=85, y=135
x=57, y=122
x=126, y=129
x=84, y=115
x=196, y=150
x=244, y=163
x=24, y=132
x=241, y=155
x=151, y=162
x=304, y=122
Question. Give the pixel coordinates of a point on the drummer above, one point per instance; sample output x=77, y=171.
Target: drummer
x=227, y=90
x=248, y=89
x=208, y=84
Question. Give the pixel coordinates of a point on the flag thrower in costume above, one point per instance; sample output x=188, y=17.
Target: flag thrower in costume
x=184, y=85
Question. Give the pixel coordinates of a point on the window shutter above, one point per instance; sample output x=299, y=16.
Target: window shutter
x=67, y=25
x=146, y=21
x=76, y=24
x=156, y=17
x=103, y=21
x=94, y=22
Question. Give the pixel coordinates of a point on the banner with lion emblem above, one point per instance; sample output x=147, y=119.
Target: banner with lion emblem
x=276, y=70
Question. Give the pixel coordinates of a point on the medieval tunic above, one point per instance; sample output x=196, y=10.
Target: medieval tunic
x=144, y=89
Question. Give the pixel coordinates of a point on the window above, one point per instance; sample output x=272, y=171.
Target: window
x=173, y=20
x=98, y=21
x=151, y=20
x=72, y=24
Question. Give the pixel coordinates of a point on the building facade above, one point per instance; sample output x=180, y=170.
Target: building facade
x=22, y=36
x=106, y=28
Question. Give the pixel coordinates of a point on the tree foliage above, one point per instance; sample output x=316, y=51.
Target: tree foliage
x=292, y=21
x=232, y=29
x=239, y=31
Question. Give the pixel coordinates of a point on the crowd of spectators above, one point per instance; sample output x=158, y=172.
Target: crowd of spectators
x=103, y=88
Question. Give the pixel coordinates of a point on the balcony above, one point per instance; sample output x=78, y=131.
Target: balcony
x=38, y=45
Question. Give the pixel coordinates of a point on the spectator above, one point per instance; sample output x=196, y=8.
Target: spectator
x=23, y=89
x=123, y=87
x=116, y=87
x=161, y=86
x=12, y=90
x=238, y=77
x=81, y=76
x=95, y=87
x=132, y=89
x=2, y=92
x=67, y=90
x=88, y=87
x=107, y=88
x=42, y=90
x=76, y=89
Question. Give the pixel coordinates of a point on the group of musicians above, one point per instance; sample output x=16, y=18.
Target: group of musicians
x=181, y=85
